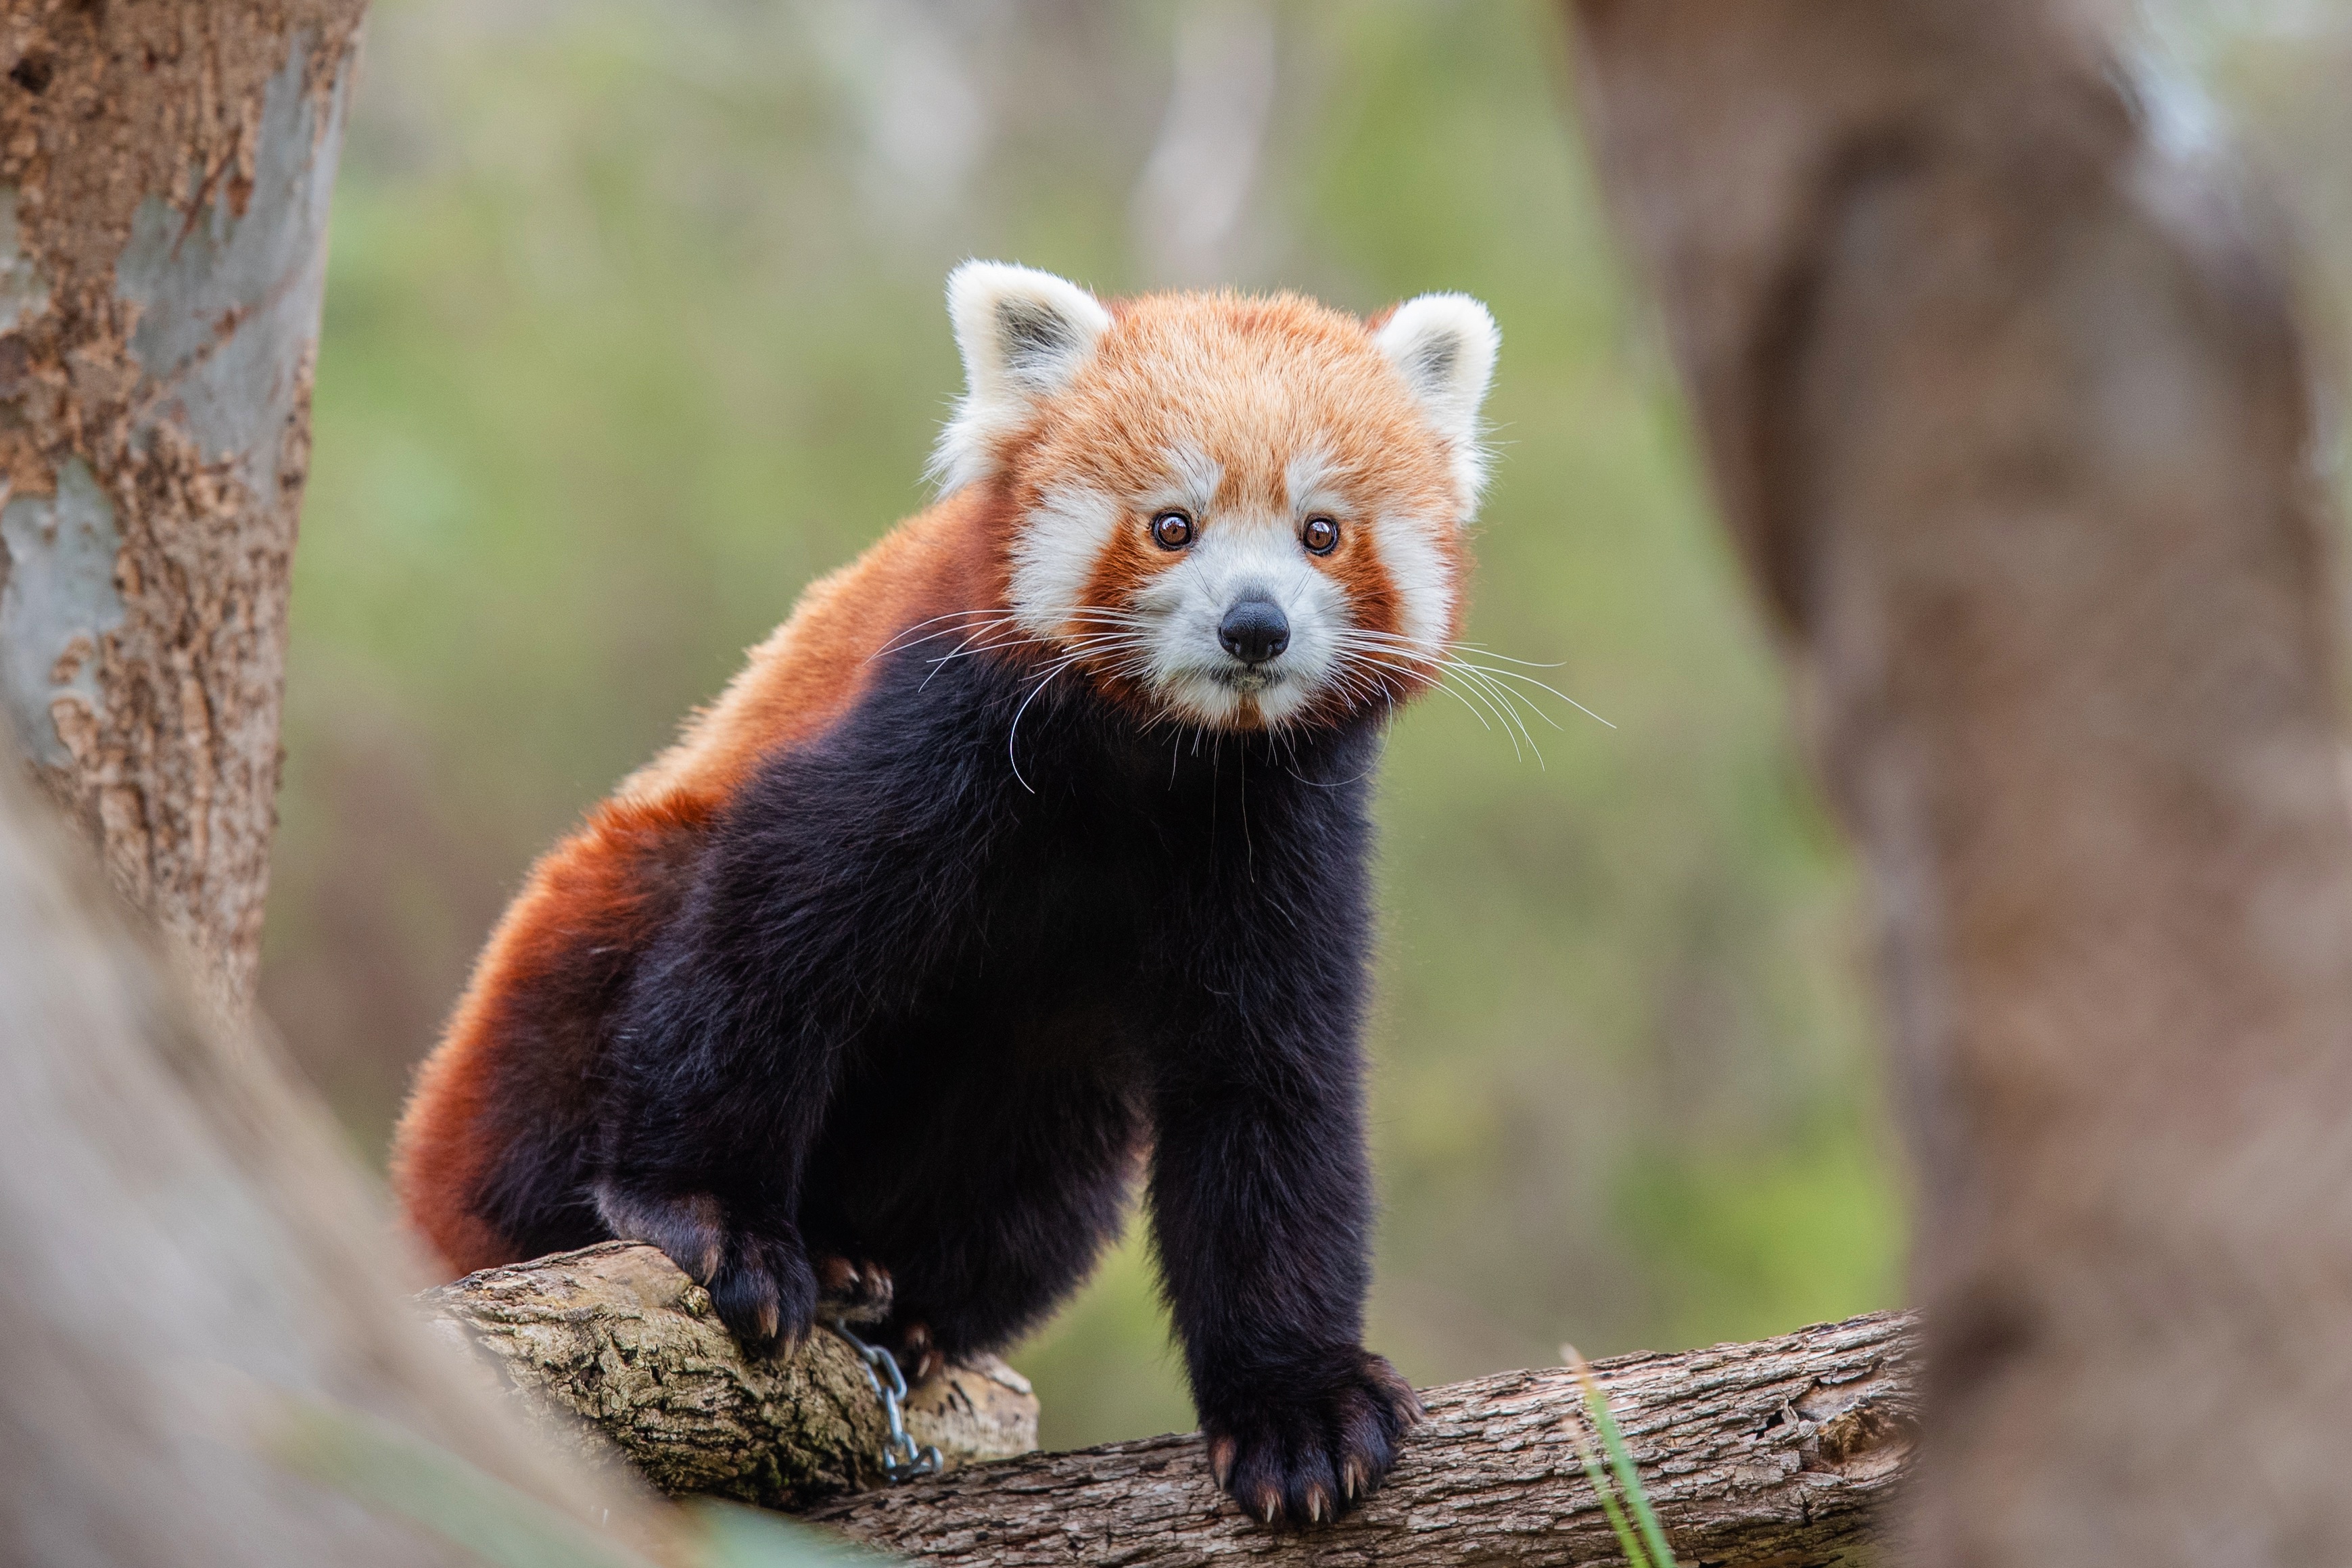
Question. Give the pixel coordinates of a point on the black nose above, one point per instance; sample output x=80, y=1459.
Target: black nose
x=1254, y=630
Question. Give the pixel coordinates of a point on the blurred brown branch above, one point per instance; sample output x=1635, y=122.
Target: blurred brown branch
x=2006, y=403
x=202, y=1306
x=175, y=1380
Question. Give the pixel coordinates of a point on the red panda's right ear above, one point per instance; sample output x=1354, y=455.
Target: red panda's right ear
x=1024, y=335
x=1444, y=345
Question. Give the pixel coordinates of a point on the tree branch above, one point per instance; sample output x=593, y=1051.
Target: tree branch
x=1776, y=1452
x=618, y=1337
x=205, y=1361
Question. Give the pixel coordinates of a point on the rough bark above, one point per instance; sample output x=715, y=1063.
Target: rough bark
x=164, y=172
x=1774, y=1453
x=614, y=1343
x=206, y=1350
x=2005, y=402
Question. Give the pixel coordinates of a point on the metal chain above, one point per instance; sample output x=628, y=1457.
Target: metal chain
x=901, y=1461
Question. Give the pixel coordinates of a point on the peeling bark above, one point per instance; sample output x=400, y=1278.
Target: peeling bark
x=164, y=174
x=614, y=1343
x=2006, y=403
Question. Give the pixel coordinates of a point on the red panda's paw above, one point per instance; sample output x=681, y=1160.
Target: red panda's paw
x=760, y=1280
x=919, y=1355
x=853, y=1293
x=691, y=1227
x=765, y=1290
x=1309, y=1443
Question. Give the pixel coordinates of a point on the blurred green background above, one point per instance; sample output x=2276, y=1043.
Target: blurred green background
x=634, y=326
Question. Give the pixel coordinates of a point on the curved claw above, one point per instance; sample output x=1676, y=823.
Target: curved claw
x=1306, y=1455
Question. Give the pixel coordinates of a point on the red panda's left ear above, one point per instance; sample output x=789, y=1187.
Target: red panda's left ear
x=1444, y=345
x=1024, y=335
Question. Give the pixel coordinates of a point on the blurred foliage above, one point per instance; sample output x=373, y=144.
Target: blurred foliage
x=634, y=326
x=398, y=1475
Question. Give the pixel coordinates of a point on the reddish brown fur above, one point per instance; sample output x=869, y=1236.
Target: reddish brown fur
x=942, y=560
x=547, y=974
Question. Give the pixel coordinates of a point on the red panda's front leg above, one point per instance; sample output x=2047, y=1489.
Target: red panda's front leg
x=1261, y=1188
x=706, y=1136
x=1262, y=1208
x=817, y=909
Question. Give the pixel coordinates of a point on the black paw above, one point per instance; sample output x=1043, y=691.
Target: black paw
x=759, y=1279
x=918, y=1353
x=853, y=1293
x=1308, y=1443
x=691, y=1227
x=765, y=1289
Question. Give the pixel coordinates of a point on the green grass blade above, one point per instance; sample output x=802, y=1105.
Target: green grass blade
x=1629, y=1481
x=1626, y=1542
x=1620, y=1461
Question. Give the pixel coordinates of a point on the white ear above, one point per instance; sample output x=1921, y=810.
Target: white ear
x=1024, y=335
x=1444, y=345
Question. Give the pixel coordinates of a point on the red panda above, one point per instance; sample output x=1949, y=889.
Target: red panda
x=1032, y=849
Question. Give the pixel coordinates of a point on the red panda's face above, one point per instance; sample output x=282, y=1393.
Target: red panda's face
x=1241, y=513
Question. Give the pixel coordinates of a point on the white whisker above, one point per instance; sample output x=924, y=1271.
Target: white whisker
x=1437, y=684
x=1013, y=734
x=1555, y=690
x=902, y=638
x=1472, y=669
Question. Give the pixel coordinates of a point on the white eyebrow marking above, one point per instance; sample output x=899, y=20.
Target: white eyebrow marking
x=1196, y=476
x=1309, y=482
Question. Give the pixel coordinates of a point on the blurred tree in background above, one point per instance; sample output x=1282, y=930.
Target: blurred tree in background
x=635, y=326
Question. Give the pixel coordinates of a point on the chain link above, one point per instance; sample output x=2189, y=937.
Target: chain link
x=901, y=1461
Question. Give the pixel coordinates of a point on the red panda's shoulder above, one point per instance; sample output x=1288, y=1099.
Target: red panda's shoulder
x=811, y=670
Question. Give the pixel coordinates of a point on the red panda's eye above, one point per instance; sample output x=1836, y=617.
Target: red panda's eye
x=1322, y=534
x=1173, y=530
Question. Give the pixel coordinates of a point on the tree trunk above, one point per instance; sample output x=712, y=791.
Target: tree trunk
x=164, y=172
x=2005, y=403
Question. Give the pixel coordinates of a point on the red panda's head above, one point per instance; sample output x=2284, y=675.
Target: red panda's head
x=1232, y=511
